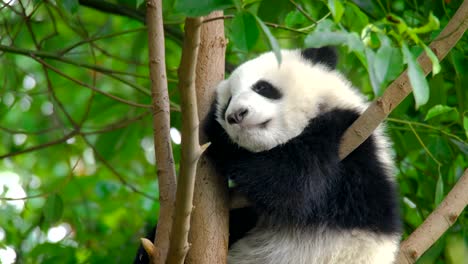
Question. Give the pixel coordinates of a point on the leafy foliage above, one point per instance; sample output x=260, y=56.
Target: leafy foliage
x=75, y=126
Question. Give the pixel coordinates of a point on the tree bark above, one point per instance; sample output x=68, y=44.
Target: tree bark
x=436, y=223
x=161, y=126
x=209, y=223
x=190, y=147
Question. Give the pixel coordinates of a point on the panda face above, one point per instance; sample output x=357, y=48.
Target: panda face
x=263, y=104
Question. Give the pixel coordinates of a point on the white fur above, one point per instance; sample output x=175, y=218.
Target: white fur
x=307, y=89
x=320, y=246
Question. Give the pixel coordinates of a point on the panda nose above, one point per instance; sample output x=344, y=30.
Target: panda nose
x=237, y=116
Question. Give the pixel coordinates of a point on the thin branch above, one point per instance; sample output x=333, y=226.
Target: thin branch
x=41, y=146
x=54, y=56
x=115, y=172
x=89, y=86
x=37, y=132
x=303, y=12
x=436, y=223
x=122, y=123
x=139, y=15
x=161, y=125
x=99, y=37
x=190, y=147
x=115, y=9
x=413, y=123
x=45, y=194
x=363, y=127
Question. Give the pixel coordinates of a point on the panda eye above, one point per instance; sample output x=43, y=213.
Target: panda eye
x=267, y=90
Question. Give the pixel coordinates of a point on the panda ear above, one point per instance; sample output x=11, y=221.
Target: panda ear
x=325, y=55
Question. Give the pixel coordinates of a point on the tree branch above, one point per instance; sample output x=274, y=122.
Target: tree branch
x=116, y=98
x=161, y=125
x=190, y=146
x=436, y=223
x=126, y=11
x=363, y=127
x=209, y=222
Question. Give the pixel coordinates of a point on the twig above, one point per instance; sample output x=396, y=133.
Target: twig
x=161, y=125
x=115, y=172
x=89, y=86
x=303, y=12
x=45, y=194
x=123, y=10
x=54, y=56
x=436, y=223
x=99, y=37
x=41, y=146
x=190, y=147
x=122, y=123
x=363, y=127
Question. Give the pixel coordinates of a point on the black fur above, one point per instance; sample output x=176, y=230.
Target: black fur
x=304, y=183
x=325, y=55
x=267, y=90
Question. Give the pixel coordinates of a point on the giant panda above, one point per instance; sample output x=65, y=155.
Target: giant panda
x=275, y=131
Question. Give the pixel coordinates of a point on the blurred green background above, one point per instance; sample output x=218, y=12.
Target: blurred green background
x=77, y=169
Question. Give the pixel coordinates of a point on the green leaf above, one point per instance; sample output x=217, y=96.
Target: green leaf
x=438, y=110
x=354, y=18
x=434, y=60
x=337, y=9
x=370, y=57
x=416, y=77
x=274, y=10
x=53, y=208
x=294, y=18
x=70, y=6
x=318, y=39
x=271, y=39
x=200, y=7
x=244, y=31
x=439, y=192
x=139, y=3
x=382, y=62
x=462, y=146
x=465, y=125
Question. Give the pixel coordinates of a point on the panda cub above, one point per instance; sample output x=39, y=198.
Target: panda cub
x=275, y=131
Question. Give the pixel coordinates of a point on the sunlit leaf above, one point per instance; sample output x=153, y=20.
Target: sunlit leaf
x=438, y=110
x=337, y=9
x=416, y=77
x=318, y=39
x=370, y=56
x=434, y=60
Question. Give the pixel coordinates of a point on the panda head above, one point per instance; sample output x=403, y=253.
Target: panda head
x=263, y=104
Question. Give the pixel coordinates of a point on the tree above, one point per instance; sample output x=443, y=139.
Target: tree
x=77, y=155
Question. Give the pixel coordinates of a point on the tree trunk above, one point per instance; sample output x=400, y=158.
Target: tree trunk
x=209, y=223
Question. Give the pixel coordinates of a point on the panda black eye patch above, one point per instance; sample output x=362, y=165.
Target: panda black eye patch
x=267, y=90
